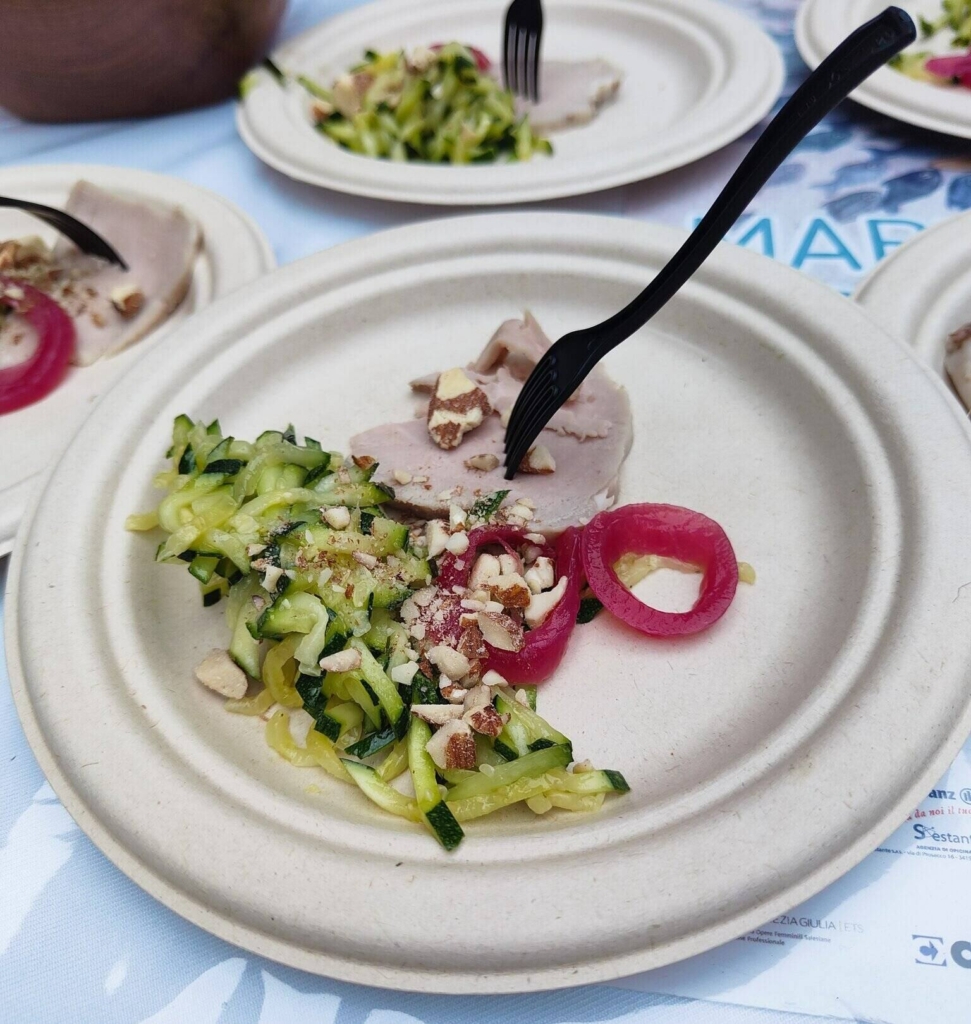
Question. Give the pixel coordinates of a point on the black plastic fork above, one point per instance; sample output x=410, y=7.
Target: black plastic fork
x=521, y=38
x=86, y=239
x=566, y=364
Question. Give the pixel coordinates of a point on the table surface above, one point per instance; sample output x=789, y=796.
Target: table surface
x=78, y=941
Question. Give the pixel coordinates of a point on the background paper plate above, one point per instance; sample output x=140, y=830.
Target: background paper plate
x=766, y=757
x=922, y=292
x=822, y=24
x=696, y=77
x=235, y=252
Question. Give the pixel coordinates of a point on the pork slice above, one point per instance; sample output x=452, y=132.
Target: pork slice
x=571, y=92
x=585, y=481
x=957, y=362
x=508, y=359
x=159, y=243
x=589, y=438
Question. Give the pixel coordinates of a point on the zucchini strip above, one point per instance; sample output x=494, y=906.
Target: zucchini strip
x=531, y=765
x=428, y=796
x=379, y=792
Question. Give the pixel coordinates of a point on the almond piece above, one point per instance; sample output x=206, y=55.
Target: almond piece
x=500, y=631
x=341, y=661
x=128, y=299
x=540, y=575
x=539, y=460
x=449, y=662
x=485, y=720
x=219, y=672
x=437, y=714
x=486, y=567
x=541, y=605
x=453, y=746
x=510, y=590
x=457, y=406
x=482, y=463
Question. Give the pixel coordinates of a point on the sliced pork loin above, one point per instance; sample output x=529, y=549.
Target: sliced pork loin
x=159, y=244
x=571, y=92
x=111, y=308
x=588, y=440
x=957, y=362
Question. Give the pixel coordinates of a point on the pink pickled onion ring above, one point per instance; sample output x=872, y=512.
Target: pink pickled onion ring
x=36, y=377
x=673, y=533
x=444, y=626
x=957, y=69
x=546, y=645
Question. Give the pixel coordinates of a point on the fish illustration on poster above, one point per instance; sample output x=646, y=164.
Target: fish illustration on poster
x=959, y=193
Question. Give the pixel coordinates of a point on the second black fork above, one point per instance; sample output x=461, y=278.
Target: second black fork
x=521, y=38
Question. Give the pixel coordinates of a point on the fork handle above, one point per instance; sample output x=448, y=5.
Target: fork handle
x=851, y=63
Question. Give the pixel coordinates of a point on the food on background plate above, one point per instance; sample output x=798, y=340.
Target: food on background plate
x=444, y=104
x=451, y=453
x=109, y=308
x=571, y=93
x=942, y=69
x=957, y=362
x=402, y=653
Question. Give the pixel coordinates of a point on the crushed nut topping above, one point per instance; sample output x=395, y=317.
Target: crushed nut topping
x=458, y=543
x=458, y=406
x=541, y=605
x=436, y=537
x=339, y=517
x=483, y=463
x=450, y=662
x=219, y=672
x=501, y=631
x=437, y=714
x=486, y=720
x=453, y=746
x=538, y=460
x=128, y=299
x=342, y=661
x=510, y=590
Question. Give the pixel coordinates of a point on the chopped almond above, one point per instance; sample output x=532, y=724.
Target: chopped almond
x=500, y=631
x=483, y=463
x=437, y=714
x=510, y=590
x=449, y=662
x=128, y=299
x=219, y=672
x=453, y=746
x=541, y=605
x=485, y=720
x=342, y=661
x=363, y=461
x=538, y=460
x=486, y=567
x=458, y=406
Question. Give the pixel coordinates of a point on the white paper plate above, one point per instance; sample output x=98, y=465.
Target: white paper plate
x=922, y=292
x=235, y=252
x=821, y=26
x=696, y=77
x=766, y=757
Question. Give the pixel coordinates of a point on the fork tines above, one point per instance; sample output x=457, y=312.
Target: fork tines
x=521, y=47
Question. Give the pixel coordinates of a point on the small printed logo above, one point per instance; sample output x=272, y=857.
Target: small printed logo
x=966, y=794
x=929, y=950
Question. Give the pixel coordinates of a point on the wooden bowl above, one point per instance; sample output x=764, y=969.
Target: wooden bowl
x=82, y=60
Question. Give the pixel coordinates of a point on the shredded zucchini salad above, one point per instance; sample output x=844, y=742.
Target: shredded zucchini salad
x=439, y=104
x=360, y=639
